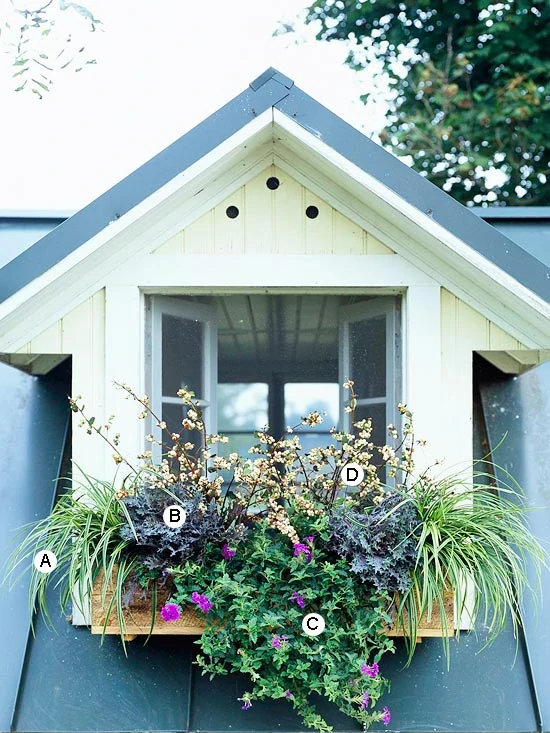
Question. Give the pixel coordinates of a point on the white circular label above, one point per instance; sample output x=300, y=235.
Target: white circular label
x=313, y=624
x=174, y=516
x=45, y=561
x=352, y=474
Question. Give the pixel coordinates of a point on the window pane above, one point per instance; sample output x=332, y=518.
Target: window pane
x=379, y=432
x=368, y=357
x=378, y=415
x=182, y=350
x=242, y=407
x=172, y=416
x=314, y=440
x=238, y=443
x=305, y=397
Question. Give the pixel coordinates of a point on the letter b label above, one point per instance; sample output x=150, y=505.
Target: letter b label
x=174, y=516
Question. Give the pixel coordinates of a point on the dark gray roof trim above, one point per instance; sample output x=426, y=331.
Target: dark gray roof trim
x=273, y=89
x=417, y=191
x=140, y=184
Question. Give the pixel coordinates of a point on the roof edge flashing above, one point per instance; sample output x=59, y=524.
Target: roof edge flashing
x=268, y=75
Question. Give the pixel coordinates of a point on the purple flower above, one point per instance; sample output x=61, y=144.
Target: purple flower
x=300, y=548
x=371, y=670
x=365, y=699
x=278, y=641
x=247, y=705
x=227, y=552
x=310, y=539
x=204, y=603
x=297, y=598
x=170, y=612
x=386, y=716
x=288, y=693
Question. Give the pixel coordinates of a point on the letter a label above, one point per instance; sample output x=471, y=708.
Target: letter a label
x=45, y=561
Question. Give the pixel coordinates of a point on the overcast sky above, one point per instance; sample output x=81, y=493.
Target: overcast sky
x=162, y=67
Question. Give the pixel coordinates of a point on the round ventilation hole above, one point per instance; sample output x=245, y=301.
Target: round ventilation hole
x=232, y=212
x=312, y=212
x=272, y=183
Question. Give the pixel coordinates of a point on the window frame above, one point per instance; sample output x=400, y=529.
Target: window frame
x=159, y=305
x=389, y=307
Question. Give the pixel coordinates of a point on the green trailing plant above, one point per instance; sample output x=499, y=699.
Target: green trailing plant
x=255, y=601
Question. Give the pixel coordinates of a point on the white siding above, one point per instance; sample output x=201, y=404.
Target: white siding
x=81, y=333
x=273, y=222
x=463, y=331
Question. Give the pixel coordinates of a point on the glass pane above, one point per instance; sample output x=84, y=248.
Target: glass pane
x=378, y=415
x=238, y=443
x=182, y=355
x=315, y=440
x=302, y=398
x=379, y=431
x=172, y=416
x=242, y=407
x=368, y=357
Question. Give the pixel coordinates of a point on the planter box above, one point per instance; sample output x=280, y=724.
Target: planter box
x=429, y=627
x=137, y=616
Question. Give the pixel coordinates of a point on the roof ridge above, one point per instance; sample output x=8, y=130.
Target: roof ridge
x=268, y=74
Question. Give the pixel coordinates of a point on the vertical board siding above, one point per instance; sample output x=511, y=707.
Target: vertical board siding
x=258, y=198
x=463, y=331
x=273, y=222
x=198, y=237
x=289, y=216
x=81, y=334
x=229, y=233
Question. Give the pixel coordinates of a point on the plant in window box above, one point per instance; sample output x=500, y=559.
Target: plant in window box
x=282, y=542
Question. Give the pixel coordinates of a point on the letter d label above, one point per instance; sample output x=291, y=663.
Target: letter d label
x=352, y=474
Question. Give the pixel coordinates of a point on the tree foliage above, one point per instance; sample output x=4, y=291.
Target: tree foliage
x=471, y=84
x=43, y=38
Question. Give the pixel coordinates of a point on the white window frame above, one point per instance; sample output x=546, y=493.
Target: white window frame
x=187, y=310
x=384, y=306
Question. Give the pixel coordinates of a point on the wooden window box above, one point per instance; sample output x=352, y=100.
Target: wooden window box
x=432, y=627
x=137, y=618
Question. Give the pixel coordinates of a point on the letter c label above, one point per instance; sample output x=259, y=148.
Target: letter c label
x=313, y=624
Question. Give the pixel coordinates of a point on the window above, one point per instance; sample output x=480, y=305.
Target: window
x=266, y=360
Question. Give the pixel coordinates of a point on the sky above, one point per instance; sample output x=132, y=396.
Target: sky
x=162, y=67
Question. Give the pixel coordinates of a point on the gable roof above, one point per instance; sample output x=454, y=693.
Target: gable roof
x=273, y=89
x=273, y=119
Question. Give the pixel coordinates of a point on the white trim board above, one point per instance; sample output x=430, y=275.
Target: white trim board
x=434, y=244
x=158, y=274
x=250, y=137
x=411, y=233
